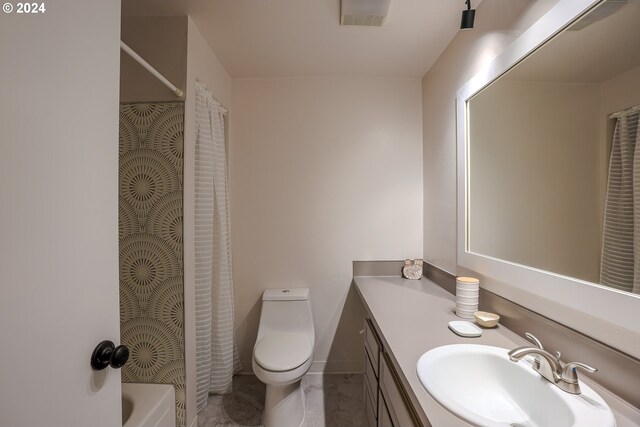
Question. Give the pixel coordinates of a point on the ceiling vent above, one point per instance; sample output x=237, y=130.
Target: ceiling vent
x=605, y=9
x=370, y=13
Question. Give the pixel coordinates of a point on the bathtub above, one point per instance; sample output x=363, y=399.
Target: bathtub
x=148, y=405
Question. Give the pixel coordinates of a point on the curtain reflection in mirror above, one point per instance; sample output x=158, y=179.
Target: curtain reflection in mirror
x=620, y=262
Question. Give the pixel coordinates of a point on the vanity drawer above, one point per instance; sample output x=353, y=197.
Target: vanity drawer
x=370, y=407
x=392, y=391
x=372, y=345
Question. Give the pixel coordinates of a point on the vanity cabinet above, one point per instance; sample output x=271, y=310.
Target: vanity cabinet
x=385, y=400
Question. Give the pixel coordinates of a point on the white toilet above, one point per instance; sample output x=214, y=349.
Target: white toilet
x=283, y=354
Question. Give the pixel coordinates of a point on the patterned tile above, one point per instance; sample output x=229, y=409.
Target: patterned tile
x=151, y=247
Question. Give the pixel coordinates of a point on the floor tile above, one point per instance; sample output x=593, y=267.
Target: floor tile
x=334, y=400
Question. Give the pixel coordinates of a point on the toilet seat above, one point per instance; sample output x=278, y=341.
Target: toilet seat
x=282, y=351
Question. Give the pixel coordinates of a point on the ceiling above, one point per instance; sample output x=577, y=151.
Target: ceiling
x=593, y=54
x=300, y=38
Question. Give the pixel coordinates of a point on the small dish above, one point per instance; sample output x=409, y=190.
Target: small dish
x=465, y=329
x=486, y=319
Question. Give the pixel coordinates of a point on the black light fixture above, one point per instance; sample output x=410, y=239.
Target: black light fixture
x=468, y=17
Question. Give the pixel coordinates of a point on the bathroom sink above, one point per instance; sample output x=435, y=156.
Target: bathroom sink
x=482, y=386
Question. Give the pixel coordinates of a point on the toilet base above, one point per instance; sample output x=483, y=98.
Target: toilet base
x=284, y=405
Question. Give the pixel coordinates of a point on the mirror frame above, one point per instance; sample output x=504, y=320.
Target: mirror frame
x=580, y=305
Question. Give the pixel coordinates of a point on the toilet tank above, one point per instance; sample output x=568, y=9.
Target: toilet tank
x=286, y=310
x=291, y=294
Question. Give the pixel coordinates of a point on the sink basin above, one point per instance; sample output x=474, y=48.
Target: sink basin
x=479, y=384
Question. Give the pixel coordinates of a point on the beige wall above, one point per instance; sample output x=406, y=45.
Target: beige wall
x=621, y=92
x=203, y=65
x=498, y=23
x=535, y=173
x=162, y=42
x=323, y=171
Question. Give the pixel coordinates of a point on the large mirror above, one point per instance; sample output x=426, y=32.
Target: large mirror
x=550, y=167
x=552, y=147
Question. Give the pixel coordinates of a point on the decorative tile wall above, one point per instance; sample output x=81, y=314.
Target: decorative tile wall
x=151, y=246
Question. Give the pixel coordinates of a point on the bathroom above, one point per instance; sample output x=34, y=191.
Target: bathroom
x=345, y=148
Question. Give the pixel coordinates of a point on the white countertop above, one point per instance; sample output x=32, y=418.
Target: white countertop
x=413, y=317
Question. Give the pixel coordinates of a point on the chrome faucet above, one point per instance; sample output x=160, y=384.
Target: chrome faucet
x=536, y=341
x=564, y=376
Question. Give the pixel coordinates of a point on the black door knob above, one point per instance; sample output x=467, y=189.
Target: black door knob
x=107, y=354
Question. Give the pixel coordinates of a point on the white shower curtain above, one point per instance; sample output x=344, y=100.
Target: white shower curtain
x=216, y=349
x=620, y=264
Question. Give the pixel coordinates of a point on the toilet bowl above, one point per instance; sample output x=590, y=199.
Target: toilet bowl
x=283, y=353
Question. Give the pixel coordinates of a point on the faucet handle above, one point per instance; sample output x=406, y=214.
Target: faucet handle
x=534, y=340
x=569, y=373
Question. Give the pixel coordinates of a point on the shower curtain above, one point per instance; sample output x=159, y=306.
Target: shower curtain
x=216, y=349
x=620, y=264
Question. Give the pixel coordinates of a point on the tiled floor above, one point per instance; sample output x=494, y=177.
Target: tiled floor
x=331, y=401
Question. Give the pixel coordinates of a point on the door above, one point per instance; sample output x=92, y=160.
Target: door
x=59, y=71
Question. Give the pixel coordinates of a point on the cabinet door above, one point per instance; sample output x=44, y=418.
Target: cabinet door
x=398, y=406
x=371, y=381
x=384, y=417
x=370, y=409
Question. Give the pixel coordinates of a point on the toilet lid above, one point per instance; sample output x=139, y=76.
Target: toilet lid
x=282, y=351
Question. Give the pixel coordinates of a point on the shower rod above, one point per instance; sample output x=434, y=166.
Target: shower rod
x=149, y=68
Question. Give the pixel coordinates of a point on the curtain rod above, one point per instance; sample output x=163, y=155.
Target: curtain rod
x=149, y=68
x=224, y=110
